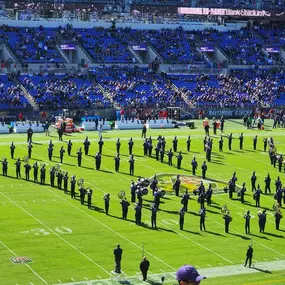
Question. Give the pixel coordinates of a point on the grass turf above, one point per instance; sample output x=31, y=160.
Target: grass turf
x=68, y=242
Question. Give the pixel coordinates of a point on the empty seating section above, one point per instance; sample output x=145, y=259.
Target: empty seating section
x=136, y=86
x=11, y=96
x=273, y=35
x=242, y=47
x=32, y=45
x=105, y=45
x=62, y=90
x=175, y=46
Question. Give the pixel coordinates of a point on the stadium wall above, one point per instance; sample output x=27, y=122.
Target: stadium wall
x=139, y=26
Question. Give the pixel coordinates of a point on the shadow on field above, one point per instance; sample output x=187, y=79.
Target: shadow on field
x=106, y=171
x=214, y=154
x=261, y=270
x=169, y=211
x=281, y=230
x=274, y=235
x=98, y=209
x=90, y=168
x=166, y=198
x=68, y=164
x=190, y=232
x=37, y=143
x=241, y=236
x=165, y=230
x=103, y=155
x=215, y=234
x=213, y=212
x=216, y=207
x=228, y=152
x=262, y=237
x=216, y=162
x=127, y=173
x=249, y=150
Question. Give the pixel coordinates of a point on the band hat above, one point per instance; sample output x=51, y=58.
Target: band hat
x=188, y=272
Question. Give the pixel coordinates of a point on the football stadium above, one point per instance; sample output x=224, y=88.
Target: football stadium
x=142, y=141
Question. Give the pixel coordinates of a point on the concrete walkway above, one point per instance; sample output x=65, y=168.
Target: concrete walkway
x=170, y=276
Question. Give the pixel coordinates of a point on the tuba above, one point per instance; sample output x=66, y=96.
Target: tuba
x=224, y=209
x=57, y=167
x=26, y=159
x=80, y=182
x=122, y=194
x=277, y=209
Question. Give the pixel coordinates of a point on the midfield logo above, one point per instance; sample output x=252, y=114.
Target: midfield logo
x=190, y=182
x=20, y=259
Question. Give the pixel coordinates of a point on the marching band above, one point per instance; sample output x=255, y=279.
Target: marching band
x=139, y=189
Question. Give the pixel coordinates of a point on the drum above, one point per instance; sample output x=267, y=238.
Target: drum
x=145, y=191
x=145, y=183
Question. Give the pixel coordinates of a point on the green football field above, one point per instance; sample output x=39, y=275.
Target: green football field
x=69, y=243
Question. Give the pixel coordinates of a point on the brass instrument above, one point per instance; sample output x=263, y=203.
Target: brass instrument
x=122, y=194
x=145, y=183
x=80, y=182
x=144, y=191
x=259, y=212
x=57, y=167
x=277, y=208
x=224, y=209
x=26, y=159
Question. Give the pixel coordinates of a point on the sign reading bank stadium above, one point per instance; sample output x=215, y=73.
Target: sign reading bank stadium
x=225, y=12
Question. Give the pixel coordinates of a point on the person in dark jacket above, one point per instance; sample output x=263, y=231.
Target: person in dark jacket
x=144, y=266
x=249, y=254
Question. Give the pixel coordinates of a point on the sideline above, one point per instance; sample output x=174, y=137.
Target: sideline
x=212, y=272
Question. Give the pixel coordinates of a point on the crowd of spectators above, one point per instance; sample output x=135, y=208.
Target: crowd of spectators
x=238, y=89
x=11, y=95
x=243, y=47
x=72, y=91
x=32, y=45
x=137, y=87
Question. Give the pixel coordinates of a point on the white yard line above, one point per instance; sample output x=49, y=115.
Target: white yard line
x=179, y=233
x=110, y=229
x=27, y=265
x=55, y=233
